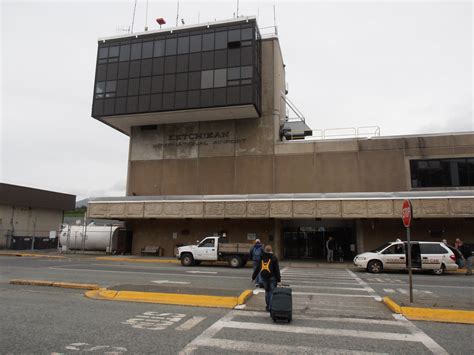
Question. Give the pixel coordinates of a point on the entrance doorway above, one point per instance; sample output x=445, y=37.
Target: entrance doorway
x=306, y=239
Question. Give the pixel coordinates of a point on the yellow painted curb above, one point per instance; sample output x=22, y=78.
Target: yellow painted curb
x=244, y=296
x=165, y=298
x=392, y=305
x=55, y=284
x=432, y=314
x=132, y=260
x=34, y=255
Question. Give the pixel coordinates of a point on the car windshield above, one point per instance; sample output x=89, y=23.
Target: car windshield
x=376, y=250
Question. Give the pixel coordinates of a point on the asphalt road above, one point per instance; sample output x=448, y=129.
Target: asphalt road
x=334, y=312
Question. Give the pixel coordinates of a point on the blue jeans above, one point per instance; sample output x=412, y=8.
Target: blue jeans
x=258, y=280
x=469, y=265
x=269, y=285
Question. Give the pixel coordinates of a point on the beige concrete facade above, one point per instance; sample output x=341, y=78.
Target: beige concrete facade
x=246, y=156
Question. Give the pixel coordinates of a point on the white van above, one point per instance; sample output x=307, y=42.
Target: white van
x=434, y=256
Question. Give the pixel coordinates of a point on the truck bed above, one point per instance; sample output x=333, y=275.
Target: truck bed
x=240, y=248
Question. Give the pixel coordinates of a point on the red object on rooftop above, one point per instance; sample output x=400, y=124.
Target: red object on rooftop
x=161, y=21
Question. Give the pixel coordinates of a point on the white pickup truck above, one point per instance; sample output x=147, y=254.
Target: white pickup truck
x=215, y=249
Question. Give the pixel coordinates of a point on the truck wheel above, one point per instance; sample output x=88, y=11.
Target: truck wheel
x=375, y=267
x=187, y=260
x=235, y=261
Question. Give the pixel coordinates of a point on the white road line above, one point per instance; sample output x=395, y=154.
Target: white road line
x=171, y=282
x=249, y=347
x=389, y=290
x=202, y=272
x=144, y=273
x=190, y=323
x=320, y=281
x=319, y=331
x=369, y=289
x=332, y=294
x=331, y=288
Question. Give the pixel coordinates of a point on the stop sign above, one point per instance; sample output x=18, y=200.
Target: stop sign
x=406, y=213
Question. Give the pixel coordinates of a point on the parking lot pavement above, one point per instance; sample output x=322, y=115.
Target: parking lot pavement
x=450, y=291
x=335, y=312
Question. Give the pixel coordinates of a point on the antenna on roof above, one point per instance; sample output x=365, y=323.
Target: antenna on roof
x=146, y=16
x=275, y=20
x=237, y=9
x=177, y=14
x=133, y=16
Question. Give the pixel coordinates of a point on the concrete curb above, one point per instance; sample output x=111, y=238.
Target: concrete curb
x=431, y=314
x=170, y=298
x=33, y=255
x=55, y=284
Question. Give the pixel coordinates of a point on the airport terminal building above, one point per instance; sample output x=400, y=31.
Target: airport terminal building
x=212, y=151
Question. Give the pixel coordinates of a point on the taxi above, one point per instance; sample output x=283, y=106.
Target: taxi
x=436, y=257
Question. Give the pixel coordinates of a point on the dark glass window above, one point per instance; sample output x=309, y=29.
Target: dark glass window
x=442, y=172
x=98, y=108
x=123, y=70
x=233, y=73
x=109, y=106
x=246, y=56
x=101, y=72
x=182, y=63
x=246, y=94
x=170, y=65
x=145, y=85
x=124, y=52
x=133, y=87
x=195, y=44
x=234, y=35
x=183, y=45
x=122, y=86
x=246, y=72
x=234, y=57
x=220, y=59
x=113, y=51
x=171, y=46
x=206, y=98
x=195, y=61
x=194, y=80
x=103, y=52
x=181, y=81
x=221, y=40
x=145, y=69
x=180, y=100
x=207, y=60
x=134, y=69
x=110, y=87
x=147, y=51
x=169, y=83
x=219, y=97
x=157, y=84
x=100, y=89
x=233, y=95
x=132, y=104
x=168, y=101
x=208, y=42
x=155, y=102
x=220, y=78
x=136, y=51
x=120, y=105
x=193, y=98
x=144, y=103
x=246, y=34
x=395, y=249
x=158, y=64
x=207, y=79
x=112, y=71
x=159, y=49
x=426, y=248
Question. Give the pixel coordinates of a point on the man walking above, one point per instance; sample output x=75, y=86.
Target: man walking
x=255, y=254
x=269, y=271
x=330, y=249
x=467, y=254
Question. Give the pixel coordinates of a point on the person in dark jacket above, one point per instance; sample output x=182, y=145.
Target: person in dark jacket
x=467, y=254
x=255, y=254
x=269, y=271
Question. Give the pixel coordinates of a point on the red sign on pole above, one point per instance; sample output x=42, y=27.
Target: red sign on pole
x=406, y=213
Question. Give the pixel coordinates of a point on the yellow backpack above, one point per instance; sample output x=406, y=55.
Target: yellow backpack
x=265, y=270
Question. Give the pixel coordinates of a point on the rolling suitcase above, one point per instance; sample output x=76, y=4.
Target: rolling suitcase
x=282, y=306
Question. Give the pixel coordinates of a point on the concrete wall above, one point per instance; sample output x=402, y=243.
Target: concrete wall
x=28, y=221
x=160, y=232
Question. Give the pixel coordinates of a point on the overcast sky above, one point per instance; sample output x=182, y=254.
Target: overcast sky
x=404, y=66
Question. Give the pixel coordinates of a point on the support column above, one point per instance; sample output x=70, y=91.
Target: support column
x=359, y=236
x=277, y=240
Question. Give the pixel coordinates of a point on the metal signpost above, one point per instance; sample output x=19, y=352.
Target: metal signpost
x=406, y=218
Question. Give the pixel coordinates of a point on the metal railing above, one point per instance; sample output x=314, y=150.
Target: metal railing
x=346, y=132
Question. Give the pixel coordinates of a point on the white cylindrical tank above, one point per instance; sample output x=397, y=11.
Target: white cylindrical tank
x=89, y=237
